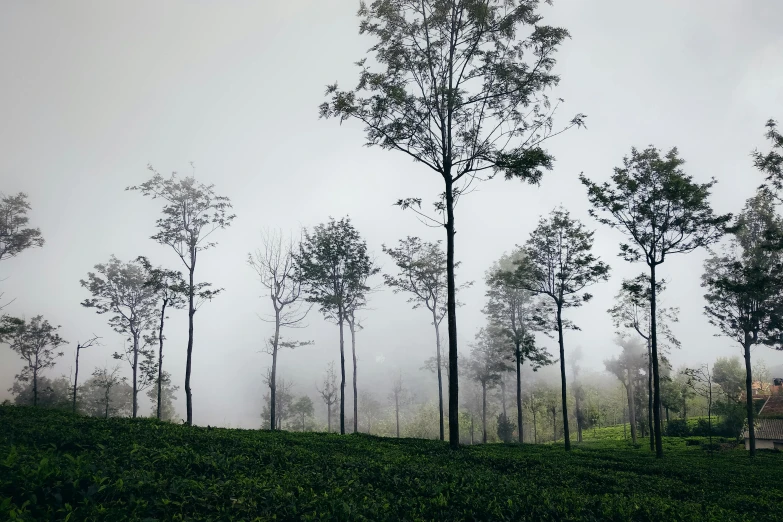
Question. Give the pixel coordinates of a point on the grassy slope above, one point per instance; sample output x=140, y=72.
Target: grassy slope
x=53, y=464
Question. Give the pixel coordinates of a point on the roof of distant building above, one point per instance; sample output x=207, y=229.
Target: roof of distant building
x=768, y=429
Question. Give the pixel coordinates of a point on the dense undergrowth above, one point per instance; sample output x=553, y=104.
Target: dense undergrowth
x=56, y=466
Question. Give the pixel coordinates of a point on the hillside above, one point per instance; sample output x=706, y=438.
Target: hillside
x=55, y=465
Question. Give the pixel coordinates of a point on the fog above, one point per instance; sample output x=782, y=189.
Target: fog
x=94, y=91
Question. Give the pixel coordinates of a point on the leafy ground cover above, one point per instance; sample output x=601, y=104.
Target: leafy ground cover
x=57, y=466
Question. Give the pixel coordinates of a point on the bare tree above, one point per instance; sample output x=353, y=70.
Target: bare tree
x=274, y=264
x=328, y=393
x=192, y=212
x=79, y=347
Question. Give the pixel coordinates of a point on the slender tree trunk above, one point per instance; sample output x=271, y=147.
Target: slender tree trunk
x=106, y=411
x=472, y=429
x=578, y=412
x=749, y=397
x=709, y=411
x=341, y=319
x=451, y=307
x=554, y=425
x=503, y=396
x=189, y=361
x=650, y=396
x=397, y=412
x=564, y=393
x=35, y=383
x=135, y=372
x=535, y=428
x=631, y=407
x=329, y=418
x=273, y=376
x=352, y=327
x=667, y=415
x=440, y=378
x=76, y=377
x=519, y=392
x=160, y=355
x=656, y=379
x=484, y=411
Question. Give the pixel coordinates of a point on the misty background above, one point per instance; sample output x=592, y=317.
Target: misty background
x=92, y=92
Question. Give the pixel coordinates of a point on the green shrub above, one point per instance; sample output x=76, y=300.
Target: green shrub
x=677, y=428
x=505, y=428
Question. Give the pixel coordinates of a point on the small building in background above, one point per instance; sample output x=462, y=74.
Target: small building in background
x=769, y=424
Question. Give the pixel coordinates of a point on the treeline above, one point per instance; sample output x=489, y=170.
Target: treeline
x=461, y=90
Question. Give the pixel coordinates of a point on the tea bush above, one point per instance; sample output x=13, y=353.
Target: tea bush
x=57, y=466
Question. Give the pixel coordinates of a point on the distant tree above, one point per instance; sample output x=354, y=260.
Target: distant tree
x=36, y=342
x=626, y=368
x=328, y=392
x=284, y=400
x=551, y=402
x=371, y=409
x=399, y=397
x=514, y=309
x=771, y=163
x=107, y=394
x=486, y=364
x=460, y=91
x=358, y=302
x=192, y=212
x=120, y=289
x=52, y=393
x=274, y=264
x=558, y=263
x=535, y=404
x=632, y=312
x=744, y=284
x=170, y=290
x=302, y=409
x=79, y=347
x=422, y=273
x=162, y=398
x=15, y=236
x=505, y=428
x=573, y=362
x=728, y=373
x=671, y=396
x=332, y=266
x=662, y=212
x=700, y=380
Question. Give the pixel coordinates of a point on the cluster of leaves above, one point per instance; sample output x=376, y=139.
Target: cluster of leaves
x=57, y=465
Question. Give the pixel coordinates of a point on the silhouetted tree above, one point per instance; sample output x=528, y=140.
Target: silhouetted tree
x=120, y=289
x=274, y=264
x=632, y=311
x=284, y=399
x=399, y=397
x=302, y=409
x=332, y=266
x=171, y=291
x=744, y=285
x=192, y=212
x=79, y=347
x=514, y=309
x=422, y=273
x=771, y=163
x=106, y=393
x=36, y=342
x=328, y=392
x=459, y=90
x=162, y=398
x=558, y=263
x=662, y=212
x=488, y=360
x=52, y=393
x=15, y=236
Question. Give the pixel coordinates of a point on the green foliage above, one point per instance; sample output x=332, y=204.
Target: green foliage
x=55, y=465
x=14, y=236
x=771, y=163
x=52, y=393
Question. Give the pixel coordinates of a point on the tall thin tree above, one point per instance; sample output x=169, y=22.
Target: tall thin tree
x=274, y=264
x=558, y=263
x=662, y=212
x=79, y=347
x=461, y=88
x=192, y=212
x=332, y=266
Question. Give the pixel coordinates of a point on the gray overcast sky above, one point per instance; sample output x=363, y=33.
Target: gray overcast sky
x=93, y=91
